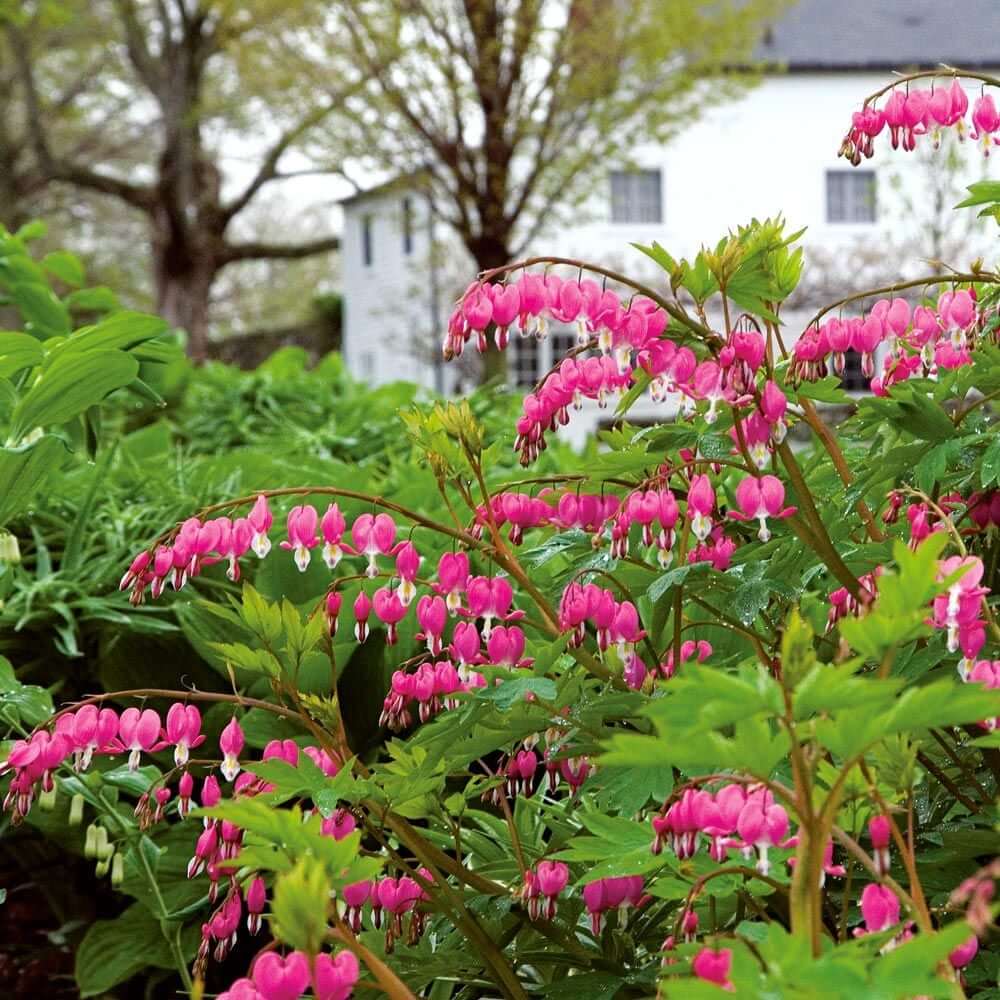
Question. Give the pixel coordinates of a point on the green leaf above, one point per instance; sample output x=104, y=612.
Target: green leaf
x=23, y=471
x=96, y=299
x=980, y=193
x=44, y=315
x=22, y=703
x=300, y=906
x=113, y=951
x=656, y=253
x=69, y=385
x=750, y=599
x=506, y=694
x=66, y=266
x=989, y=470
x=123, y=330
x=18, y=351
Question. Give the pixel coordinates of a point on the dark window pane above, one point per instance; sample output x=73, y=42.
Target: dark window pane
x=850, y=196
x=636, y=196
x=366, y=240
x=407, y=227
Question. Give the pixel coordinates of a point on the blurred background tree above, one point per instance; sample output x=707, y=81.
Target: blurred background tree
x=512, y=109
x=147, y=104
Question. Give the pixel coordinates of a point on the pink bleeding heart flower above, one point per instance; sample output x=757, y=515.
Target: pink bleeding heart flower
x=985, y=121
x=231, y=742
x=961, y=956
x=362, y=609
x=759, y=499
x=505, y=646
x=302, y=535
x=700, y=504
x=880, y=834
x=432, y=615
x=256, y=899
x=139, y=732
x=762, y=824
x=773, y=405
x=407, y=566
x=334, y=978
x=278, y=978
x=183, y=731
x=489, y=598
x=373, y=536
x=390, y=610
x=958, y=608
x=879, y=908
x=714, y=966
x=332, y=525
x=260, y=519
x=331, y=609
x=452, y=577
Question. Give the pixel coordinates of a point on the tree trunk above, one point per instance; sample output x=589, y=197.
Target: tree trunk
x=490, y=252
x=183, y=274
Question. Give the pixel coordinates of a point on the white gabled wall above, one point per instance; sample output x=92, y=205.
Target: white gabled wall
x=389, y=305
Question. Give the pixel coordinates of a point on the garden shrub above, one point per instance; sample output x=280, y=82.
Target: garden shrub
x=698, y=713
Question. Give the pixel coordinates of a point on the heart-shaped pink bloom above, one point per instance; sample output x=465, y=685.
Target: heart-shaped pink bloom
x=335, y=977
x=714, y=966
x=278, y=978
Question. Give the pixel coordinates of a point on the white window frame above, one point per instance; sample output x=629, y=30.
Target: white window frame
x=636, y=196
x=855, y=203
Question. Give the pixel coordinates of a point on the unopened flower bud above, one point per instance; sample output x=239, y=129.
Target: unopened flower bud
x=117, y=869
x=90, y=844
x=102, y=867
x=47, y=799
x=76, y=810
x=10, y=551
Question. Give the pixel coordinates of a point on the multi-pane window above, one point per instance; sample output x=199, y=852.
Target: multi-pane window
x=525, y=360
x=530, y=359
x=854, y=379
x=366, y=239
x=850, y=196
x=636, y=196
x=407, y=226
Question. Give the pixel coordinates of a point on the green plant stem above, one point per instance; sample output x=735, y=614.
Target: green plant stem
x=829, y=442
x=173, y=940
x=946, y=782
x=899, y=286
x=960, y=415
x=823, y=545
x=235, y=699
x=673, y=309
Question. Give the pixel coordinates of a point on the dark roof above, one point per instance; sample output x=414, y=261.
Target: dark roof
x=884, y=35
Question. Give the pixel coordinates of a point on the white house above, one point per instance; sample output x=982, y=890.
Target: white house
x=773, y=150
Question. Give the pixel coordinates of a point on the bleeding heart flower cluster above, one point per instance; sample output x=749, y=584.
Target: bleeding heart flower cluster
x=672, y=371
x=917, y=342
x=388, y=900
x=200, y=543
x=959, y=609
x=605, y=894
x=758, y=822
x=531, y=303
x=277, y=977
x=913, y=112
x=89, y=731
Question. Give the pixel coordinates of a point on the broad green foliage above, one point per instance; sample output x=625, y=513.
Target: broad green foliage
x=822, y=671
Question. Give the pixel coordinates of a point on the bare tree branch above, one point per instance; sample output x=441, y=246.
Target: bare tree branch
x=232, y=253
